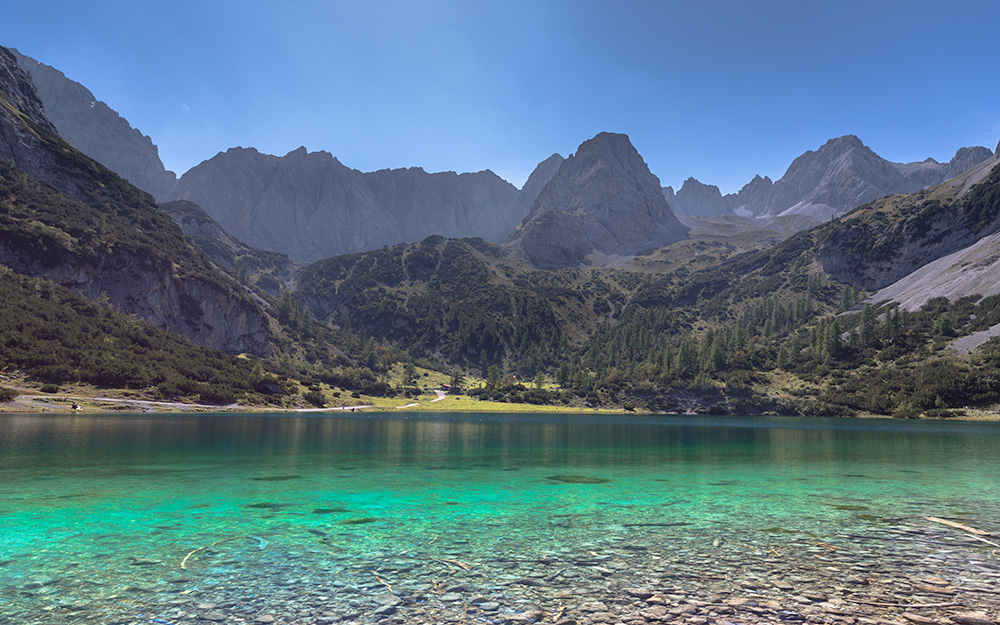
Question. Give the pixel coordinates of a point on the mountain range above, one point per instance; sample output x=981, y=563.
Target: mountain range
x=841, y=175
x=591, y=278
x=310, y=206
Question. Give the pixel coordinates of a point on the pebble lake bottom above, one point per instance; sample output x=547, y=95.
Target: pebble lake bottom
x=475, y=518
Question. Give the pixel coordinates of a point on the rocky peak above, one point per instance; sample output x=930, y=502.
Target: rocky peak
x=753, y=198
x=845, y=143
x=603, y=201
x=965, y=159
x=840, y=175
x=699, y=199
x=757, y=184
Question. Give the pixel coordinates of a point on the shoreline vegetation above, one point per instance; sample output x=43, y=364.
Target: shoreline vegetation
x=84, y=399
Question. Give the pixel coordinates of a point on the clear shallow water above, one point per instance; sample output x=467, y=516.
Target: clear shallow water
x=97, y=513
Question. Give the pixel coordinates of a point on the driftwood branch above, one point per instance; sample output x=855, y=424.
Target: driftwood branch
x=964, y=528
x=971, y=532
x=903, y=605
x=261, y=543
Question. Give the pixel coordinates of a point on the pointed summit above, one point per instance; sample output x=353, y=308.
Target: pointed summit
x=842, y=174
x=602, y=201
x=842, y=144
x=539, y=178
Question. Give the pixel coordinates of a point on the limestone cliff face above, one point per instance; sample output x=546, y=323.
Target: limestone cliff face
x=193, y=307
x=308, y=206
x=454, y=205
x=905, y=248
x=602, y=201
x=198, y=304
x=311, y=206
x=97, y=130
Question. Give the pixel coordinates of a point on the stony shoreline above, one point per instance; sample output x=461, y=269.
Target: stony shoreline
x=909, y=572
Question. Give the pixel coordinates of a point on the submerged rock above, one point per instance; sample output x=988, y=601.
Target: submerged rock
x=578, y=479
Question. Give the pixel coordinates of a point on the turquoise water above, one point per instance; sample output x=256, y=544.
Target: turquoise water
x=99, y=512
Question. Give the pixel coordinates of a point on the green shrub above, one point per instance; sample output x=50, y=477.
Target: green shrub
x=217, y=396
x=50, y=388
x=7, y=394
x=315, y=398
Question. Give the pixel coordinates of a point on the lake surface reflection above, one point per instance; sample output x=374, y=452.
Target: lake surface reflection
x=441, y=518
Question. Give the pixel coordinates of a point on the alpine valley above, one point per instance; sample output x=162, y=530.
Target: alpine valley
x=851, y=285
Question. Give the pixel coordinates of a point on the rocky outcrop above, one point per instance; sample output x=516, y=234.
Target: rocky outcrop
x=841, y=175
x=603, y=201
x=311, y=206
x=20, y=91
x=271, y=271
x=97, y=130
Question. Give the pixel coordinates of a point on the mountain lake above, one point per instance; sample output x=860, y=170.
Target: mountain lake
x=473, y=518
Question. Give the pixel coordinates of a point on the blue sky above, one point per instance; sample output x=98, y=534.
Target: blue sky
x=718, y=90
